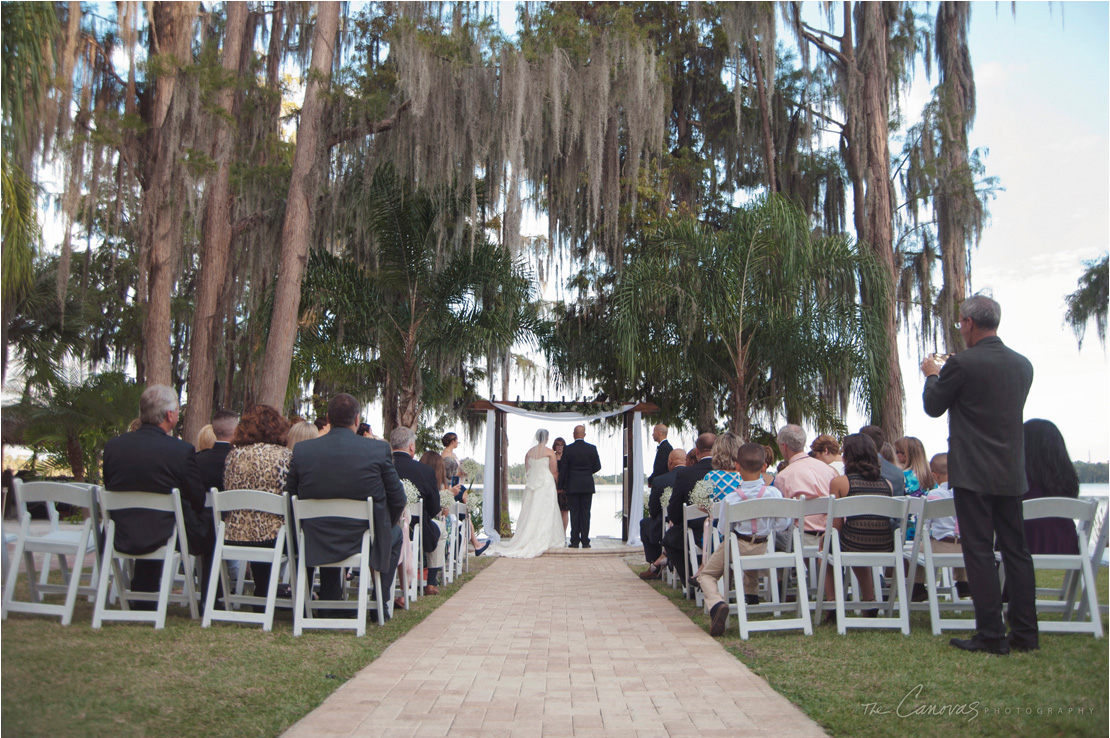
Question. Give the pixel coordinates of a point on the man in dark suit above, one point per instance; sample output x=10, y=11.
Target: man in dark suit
x=662, y=453
x=983, y=390
x=343, y=465
x=579, y=464
x=151, y=460
x=403, y=443
x=685, y=479
x=210, y=462
x=651, y=528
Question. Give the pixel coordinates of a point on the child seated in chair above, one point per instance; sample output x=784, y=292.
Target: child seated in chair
x=945, y=532
x=751, y=535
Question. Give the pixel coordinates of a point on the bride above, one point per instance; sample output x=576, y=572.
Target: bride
x=540, y=525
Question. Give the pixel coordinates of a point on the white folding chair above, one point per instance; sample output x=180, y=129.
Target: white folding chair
x=303, y=606
x=811, y=554
x=1082, y=512
x=174, y=555
x=232, y=500
x=840, y=562
x=690, y=549
x=773, y=561
x=53, y=543
x=450, y=533
x=416, y=513
x=461, y=524
x=1099, y=558
x=919, y=553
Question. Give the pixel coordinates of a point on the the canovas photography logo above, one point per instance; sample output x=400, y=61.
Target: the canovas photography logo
x=912, y=705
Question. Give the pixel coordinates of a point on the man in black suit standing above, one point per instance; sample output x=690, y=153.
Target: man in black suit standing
x=685, y=479
x=651, y=528
x=983, y=390
x=403, y=443
x=577, y=467
x=343, y=465
x=662, y=453
x=210, y=462
x=151, y=460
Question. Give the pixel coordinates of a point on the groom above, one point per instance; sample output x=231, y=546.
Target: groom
x=576, y=475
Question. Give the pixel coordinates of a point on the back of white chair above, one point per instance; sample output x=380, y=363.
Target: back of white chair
x=173, y=553
x=234, y=500
x=772, y=561
x=1083, y=512
x=895, y=508
x=416, y=513
x=303, y=616
x=53, y=543
x=920, y=554
x=691, y=551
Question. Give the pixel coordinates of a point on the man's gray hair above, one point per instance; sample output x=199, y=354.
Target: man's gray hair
x=400, y=438
x=157, y=402
x=793, y=437
x=983, y=310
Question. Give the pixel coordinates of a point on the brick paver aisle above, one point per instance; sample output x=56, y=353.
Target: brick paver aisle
x=556, y=646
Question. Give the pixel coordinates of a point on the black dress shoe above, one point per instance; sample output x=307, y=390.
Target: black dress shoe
x=1021, y=646
x=573, y=545
x=718, y=616
x=751, y=599
x=585, y=545
x=999, y=646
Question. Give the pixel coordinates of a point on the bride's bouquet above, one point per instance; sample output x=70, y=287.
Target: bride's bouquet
x=702, y=494
x=412, y=494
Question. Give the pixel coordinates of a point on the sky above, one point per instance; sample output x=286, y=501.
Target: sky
x=1043, y=116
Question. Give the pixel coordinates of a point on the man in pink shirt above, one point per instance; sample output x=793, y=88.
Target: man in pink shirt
x=803, y=478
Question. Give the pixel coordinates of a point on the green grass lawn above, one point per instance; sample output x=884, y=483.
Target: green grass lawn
x=227, y=680
x=881, y=683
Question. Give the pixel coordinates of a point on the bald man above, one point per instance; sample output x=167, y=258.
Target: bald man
x=651, y=528
x=661, y=466
x=579, y=464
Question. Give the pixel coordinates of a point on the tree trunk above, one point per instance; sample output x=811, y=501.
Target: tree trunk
x=765, y=120
x=76, y=457
x=215, y=238
x=308, y=169
x=873, y=33
x=172, y=34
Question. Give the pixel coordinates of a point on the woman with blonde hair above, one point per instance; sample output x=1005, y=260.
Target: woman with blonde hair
x=302, y=431
x=206, y=439
x=911, y=456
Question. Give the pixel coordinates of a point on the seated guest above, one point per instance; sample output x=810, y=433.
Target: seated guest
x=151, y=460
x=323, y=425
x=259, y=460
x=1050, y=472
x=827, y=449
x=403, y=443
x=341, y=465
x=910, y=453
x=685, y=479
x=206, y=438
x=651, y=528
x=861, y=533
x=301, y=431
x=945, y=532
x=365, y=430
x=803, y=478
x=210, y=461
x=890, y=469
x=437, y=558
x=749, y=463
x=451, y=471
x=725, y=476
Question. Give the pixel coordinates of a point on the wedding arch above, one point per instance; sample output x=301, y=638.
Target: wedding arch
x=496, y=462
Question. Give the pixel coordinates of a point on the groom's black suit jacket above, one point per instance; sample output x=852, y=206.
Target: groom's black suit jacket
x=577, y=467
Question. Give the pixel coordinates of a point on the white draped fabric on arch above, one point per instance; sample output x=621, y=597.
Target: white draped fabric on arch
x=635, y=468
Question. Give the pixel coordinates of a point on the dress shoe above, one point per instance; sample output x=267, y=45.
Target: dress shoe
x=1021, y=646
x=999, y=647
x=431, y=589
x=920, y=594
x=573, y=545
x=963, y=590
x=585, y=545
x=829, y=618
x=482, y=550
x=652, y=573
x=751, y=599
x=718, y=616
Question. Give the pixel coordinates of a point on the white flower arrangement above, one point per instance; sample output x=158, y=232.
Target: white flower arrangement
x=412, y=494
x=665, y=498
x=446, y=498
x=702, y=494
x=474, y=502
x=647, y=504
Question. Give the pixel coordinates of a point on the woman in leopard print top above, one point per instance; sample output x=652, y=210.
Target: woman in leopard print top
x=259, y=461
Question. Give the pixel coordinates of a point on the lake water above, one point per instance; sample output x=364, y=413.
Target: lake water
x=607, y=502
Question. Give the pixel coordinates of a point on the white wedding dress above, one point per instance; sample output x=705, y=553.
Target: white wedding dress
x=540, y=525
